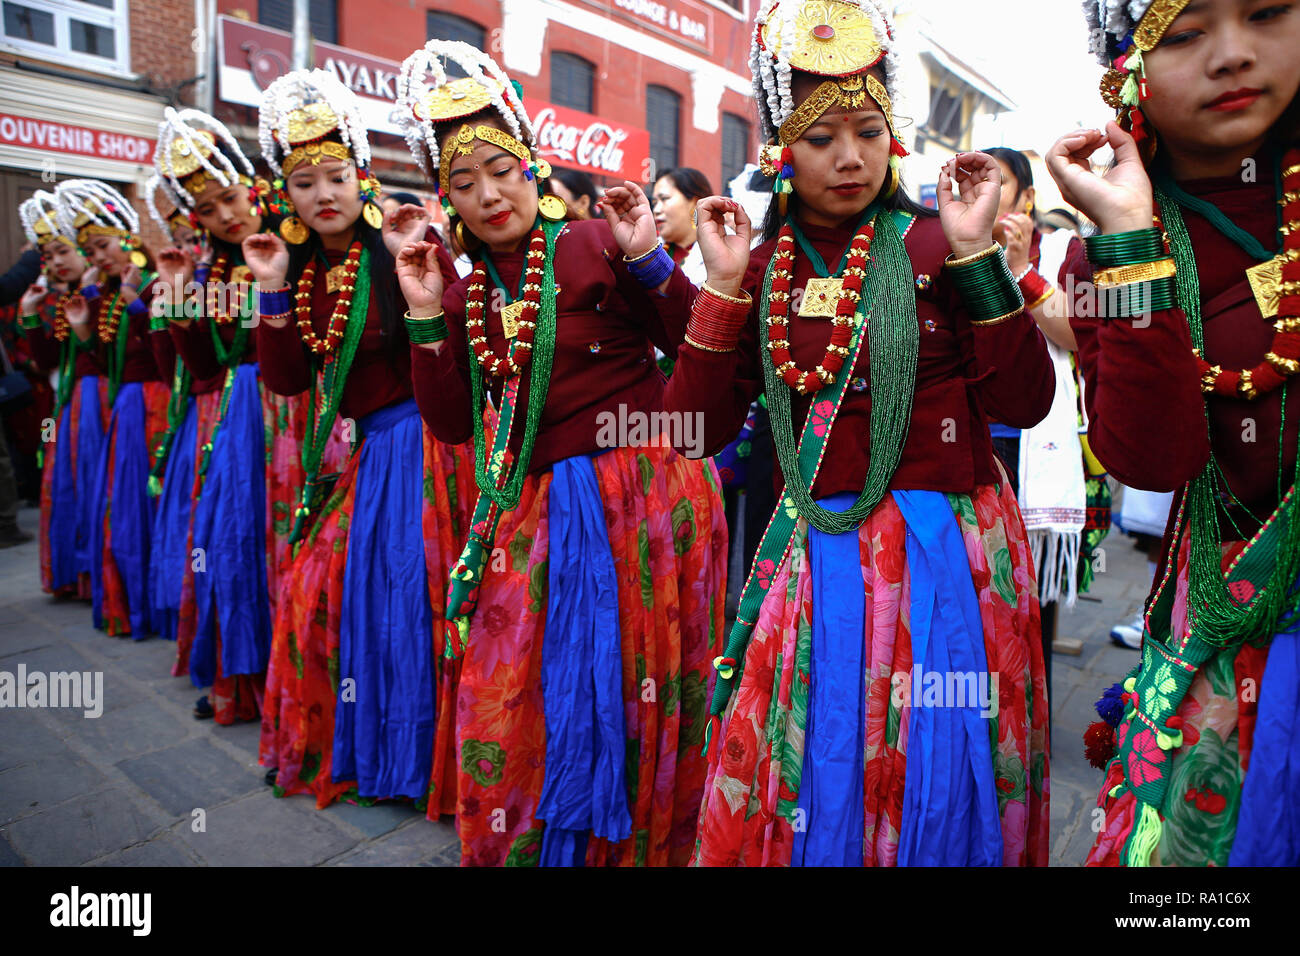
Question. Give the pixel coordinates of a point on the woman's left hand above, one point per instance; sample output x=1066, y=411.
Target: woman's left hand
x=131, y=283
x=628, y=213
x=968, y=220
x=1018, y=231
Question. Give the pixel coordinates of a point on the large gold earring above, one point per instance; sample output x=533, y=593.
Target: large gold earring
x=552, y=207
x=893, y=181
x=294, y=230
x=466, y=239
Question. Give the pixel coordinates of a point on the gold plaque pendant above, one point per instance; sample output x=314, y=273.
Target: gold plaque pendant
x=1266, y=283
x=335, y=277
x=820, y=298
x=510, y=316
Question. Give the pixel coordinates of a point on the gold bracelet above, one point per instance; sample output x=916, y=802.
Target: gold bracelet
x=1030, y=306
x=659, y=244
x=707, y=348
x=1141, y=272
x=1000, y=319
x=407, y=317
x=744, y=298
x=967, y=260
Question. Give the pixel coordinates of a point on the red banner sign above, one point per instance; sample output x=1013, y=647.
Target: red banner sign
x=79, y=140
x=593, y=144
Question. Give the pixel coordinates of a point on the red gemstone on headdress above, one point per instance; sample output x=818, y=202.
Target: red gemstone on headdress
x=823, y=31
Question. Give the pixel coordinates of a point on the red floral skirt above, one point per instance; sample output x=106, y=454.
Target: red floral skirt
x=756, y=762
x=668, y=537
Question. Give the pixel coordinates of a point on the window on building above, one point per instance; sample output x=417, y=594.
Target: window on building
x=572, y=82
x=663, y=110
x=448, y=26
x=735, y=146
x=945, y=115
x=322, y=14
x=88, y=34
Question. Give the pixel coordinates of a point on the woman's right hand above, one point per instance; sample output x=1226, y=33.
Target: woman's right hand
x=1117, y=201
x=267, y=257
x=32, y=298
x=420, y=278
x=407, y=223
x=89, y=277
x=175, y=268
x=725, y=254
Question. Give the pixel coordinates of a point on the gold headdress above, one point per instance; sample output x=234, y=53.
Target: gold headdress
x=1119, y=43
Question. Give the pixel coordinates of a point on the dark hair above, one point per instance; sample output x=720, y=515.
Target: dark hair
x=1018, y=163
x=270, y=222
x=578, y=183
x=691, y=183
x=404, y=198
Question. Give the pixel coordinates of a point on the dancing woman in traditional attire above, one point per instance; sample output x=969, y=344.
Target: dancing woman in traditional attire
x=880, y=700
x=1190, y=345
x=117, y=300
x=71, y=457
x=589, y=599
x=357, y=695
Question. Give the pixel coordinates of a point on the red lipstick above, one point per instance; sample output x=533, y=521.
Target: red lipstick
x=1235, y=101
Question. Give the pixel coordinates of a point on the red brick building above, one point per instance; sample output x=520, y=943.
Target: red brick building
x=671, y=75
x=82, y=90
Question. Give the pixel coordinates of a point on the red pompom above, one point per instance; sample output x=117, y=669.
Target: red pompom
x=1099, y=744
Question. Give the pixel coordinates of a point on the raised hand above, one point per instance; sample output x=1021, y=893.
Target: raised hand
x=968, y=219
x=130, y=282
x=726, y=254
x=175, y=266
x=406, y=223
x=90, y=277
x=1015, y=232
x=1117, y=201
x=267, y=257
x=420, y=278
x=630, y=218
x=32, y=298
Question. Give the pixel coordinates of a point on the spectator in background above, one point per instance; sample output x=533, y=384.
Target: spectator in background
x=675, y=194
x=576, y=189
x=12, y=285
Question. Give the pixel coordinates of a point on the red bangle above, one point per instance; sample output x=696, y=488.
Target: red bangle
x=716, y=320
x=1035, y=289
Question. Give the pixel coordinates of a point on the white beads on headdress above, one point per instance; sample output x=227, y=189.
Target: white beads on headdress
x=1109, y=21
x=423, y=71
x=301, y=88
x=95, y=202
x=188, y=125
x=41, y=205
x=772, y=75
x=155, y=185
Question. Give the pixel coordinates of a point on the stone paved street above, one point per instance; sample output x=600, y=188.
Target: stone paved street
x=122, y=789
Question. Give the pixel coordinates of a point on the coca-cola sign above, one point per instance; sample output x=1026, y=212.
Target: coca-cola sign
x=593, y=144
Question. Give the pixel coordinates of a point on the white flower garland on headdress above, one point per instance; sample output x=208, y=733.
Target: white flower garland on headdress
x=772, y=74
x=423, y=72
x=188, y=125
x=300, y=88
x=1110, y=21
x=42, y=205
x=99, y=203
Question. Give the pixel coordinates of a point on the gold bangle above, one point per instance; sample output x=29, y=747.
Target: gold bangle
x=659, y=244
x=1030, y=306
x=407, y=317
x=744, y=298
x=1000, y=319
x=707, y=348
x=1141, y=272
x=967, y=260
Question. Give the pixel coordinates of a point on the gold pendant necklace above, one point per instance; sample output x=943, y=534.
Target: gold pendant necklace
x=335, y=277
x=1266, y=283
x=820, y=298
x=510, y=318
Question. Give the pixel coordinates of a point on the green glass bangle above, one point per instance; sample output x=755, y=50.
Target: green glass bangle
x=426, y=331
x=988, y=288
x=158, y=323
x=30, y=323
x=1125, y=248
x=1137, y=299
